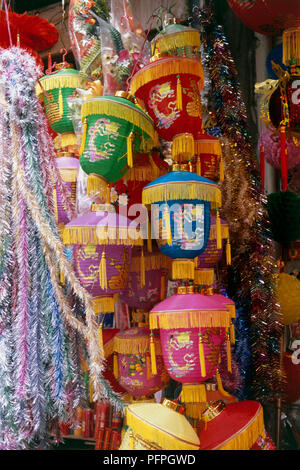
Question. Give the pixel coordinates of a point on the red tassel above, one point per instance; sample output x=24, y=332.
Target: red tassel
x=283, y=155
x=262, y=168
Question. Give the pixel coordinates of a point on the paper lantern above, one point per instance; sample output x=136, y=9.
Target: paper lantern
x=169, y=88
x=292, y=372
x=288, y=291
x=147, y=282
x=155, y=426
x=212, y=255
x=181, y=203
x=272, y=149
x=133, y=371
x=115, y=128
x=103, y=242
x=108, y=335
x=177, y=40
x=68, y=168
x=284, y=103
x=192, y=328
x=237, y=426
x=58, y=87
x=284, y=215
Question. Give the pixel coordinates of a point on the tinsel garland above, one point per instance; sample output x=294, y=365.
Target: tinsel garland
x=253, y=265
x=40, y=324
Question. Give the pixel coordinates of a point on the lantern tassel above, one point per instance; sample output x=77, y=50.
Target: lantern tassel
x=116, y=365
x=262, y=167
x=153, y=355
x=102, y=272
x=149, y=239
x=201, y=356
x=100, y=336
x=130, y=150
x=62, y=278
x=179, y=94
x=291, y=46
x=162, y=287
x=131, y=440
x=228, y=349
x=283, y=159
x=83, y=138
x=143, y=282
x=108, y=200
x=198, y=165
x=218, y=230
x=228, y=252
x=232, y=333
x=148, y=366
x=167, y=235
x=60, y=104
x=221, y=169
x=220, y=385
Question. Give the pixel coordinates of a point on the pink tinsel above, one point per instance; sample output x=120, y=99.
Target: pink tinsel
x=271, y=143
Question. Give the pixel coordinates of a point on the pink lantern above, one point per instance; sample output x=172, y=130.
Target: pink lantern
x=271, y=143
x=103, y=244
x=133, y=363
x=147, y=282
x=68, y=168
x=212, y=255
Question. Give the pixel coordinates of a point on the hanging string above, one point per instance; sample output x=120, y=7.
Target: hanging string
x=7, y=23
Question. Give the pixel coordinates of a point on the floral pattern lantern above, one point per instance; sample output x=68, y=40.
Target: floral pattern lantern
x=102, y=253
x=114, y=130
x=56, y=89
x=192, y=328
x=68, y=168
x=181, y=203
x=132, y=361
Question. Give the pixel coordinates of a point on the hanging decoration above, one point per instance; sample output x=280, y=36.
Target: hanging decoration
x=68, y=168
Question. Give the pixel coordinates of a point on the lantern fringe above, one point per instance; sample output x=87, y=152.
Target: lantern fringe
x=164, y=68
x=69, y=175
x=208, y=147
x=135, y=345
x=183, y=269
x=83, y=137
x=174, y=191
x=194, y=410
x=52, y=82
x=189, y=319
x=151, y=433
x=204, y=277
x=105, y=304
x=96, y=235
x=67, y=139
x=183, y=147
x=143, y=173
x=152, y=262
x=220, y=386
x=120, y=111
x=95, y=184
x=213, y=231
x=291, y=46
x=176, y=40
x=193, y=393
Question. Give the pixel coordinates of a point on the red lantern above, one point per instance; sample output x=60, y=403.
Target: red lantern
x=169, y=88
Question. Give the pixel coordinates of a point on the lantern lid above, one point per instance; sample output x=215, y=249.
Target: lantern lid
x=182, y=185
x=166, y=67
x=207, y=144
x=213, y=229
x=189, y=311
x=136, y=341
x=101, y=228
x=157, y=423
x=120, y=108
x=175, y=36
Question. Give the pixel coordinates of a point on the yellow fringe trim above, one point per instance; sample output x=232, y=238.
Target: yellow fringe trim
x=193, y=393
x=194, y=410
x=105, y=304
x=51, y=82
x=183, y=269
x=68, y=139
x=231, y=309
x=210, y=147
x=100, y=236
x=120, y=111
x=135, y=345
x=153, y=355
x=204, y=277
x=189, y=319
x=201, y=356
x=246, y=438
x=213, y=231
x=183, y=147
x=176, y=40
x=291, y=46
x=165, y=68
x=83, y=137
x=95, y=184
x=69, y=175
x=152, y=262
x=192, y=190
x=166, y=440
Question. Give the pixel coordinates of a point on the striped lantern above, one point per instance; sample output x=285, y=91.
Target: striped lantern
x=68, y=168
x=114, y=130
x=181, y=204
x=148, y=278
x=103, y=245
x=55, y=91
x=169, y=88
x=132, y=362
x=177, y=40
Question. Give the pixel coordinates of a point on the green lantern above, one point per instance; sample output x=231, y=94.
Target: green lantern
x=58, y=87
x=114, y=129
